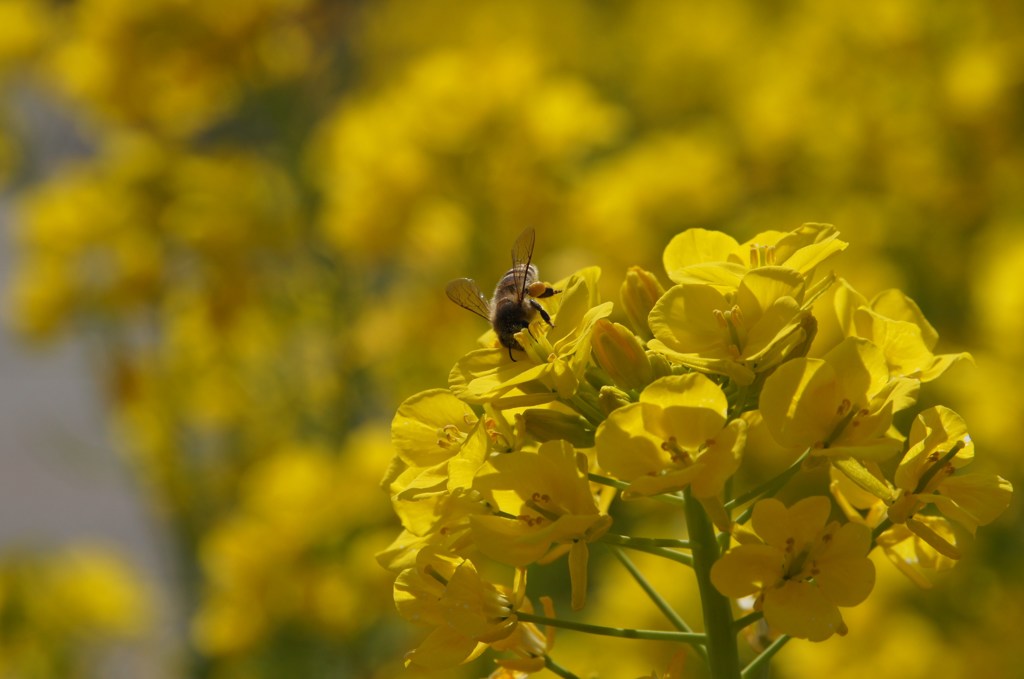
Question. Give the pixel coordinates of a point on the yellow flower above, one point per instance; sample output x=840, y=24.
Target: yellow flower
x=466, y=612
x=737, y=332
x=938, y=447
x=840, y=405
x=430, y=430
x=545, y=508
x=741, y=310
x=96, y=591
x=896, y=325
x=60, y=609
x=803, y=568
x=701, y=256
x=528, y=645
x=438, y=520
x=913, y=555
x=675, y=437
x=25, y=26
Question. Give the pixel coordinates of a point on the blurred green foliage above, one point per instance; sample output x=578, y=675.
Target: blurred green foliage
x=263, y=199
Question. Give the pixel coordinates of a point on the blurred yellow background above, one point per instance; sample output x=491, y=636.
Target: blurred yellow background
x=247, y=211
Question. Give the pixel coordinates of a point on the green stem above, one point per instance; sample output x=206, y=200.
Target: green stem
x=663, y=606
x=631, y=543
x=761, y=660
x=622, y=632
x=584, y=401
x=671, y=498
x=748, y=619
x=558, y=669
x=770, y=486
x=723, y=655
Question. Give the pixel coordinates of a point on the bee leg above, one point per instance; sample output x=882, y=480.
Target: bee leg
x=548, y=292
x=541, y=290
x=543, y=314
x=510, y=356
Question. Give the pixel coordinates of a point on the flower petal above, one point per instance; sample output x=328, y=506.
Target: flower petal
x=802, y=522
x=800, y=609
x=846, y=575
x=745, y=569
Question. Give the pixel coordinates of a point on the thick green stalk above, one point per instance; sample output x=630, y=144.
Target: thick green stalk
x=723, y=655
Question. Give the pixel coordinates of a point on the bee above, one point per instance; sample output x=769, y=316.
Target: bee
x=514, y=304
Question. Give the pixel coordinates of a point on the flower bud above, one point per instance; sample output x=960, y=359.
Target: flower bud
x=660, y=367
x=620, y=353
x=612, y=398
x=639, y=292
x=552, y=425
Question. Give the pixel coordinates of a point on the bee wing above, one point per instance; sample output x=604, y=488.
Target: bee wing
x=522, y=253
x=466, y=293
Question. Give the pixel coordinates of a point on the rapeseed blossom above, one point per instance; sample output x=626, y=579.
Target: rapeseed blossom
x=803, y=568
x=246, y=207
x=525, y=458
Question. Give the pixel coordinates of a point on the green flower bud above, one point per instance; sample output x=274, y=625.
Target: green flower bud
x=660, y=367
x=621, y=354
x=639, y=292
x=553, y=425
x=612, y=398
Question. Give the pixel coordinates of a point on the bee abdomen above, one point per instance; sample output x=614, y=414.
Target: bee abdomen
x=507, y=285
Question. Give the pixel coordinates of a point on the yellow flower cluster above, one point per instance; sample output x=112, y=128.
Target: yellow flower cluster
x=176, y=67
x=247, y=207
x=291, y=555
x=535, y=453
x=60, y=609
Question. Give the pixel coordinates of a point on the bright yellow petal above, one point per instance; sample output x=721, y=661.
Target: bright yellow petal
x=895, y=305
x=906, y=351
x=418, y=430
x=676, y=479
x=579, y=296
x=507, y=540
x=807, y=246
x=936, y=540
x=860, y=368
x=800, y=609
x=737, y=371
x=799, y=402
x=685, y=320
x=762, y=287
x=745, y=569
x=720, y=460
x=980, y=497
x=914, y=557
x=696, y=246
x=692, y=390
x=775, y=333
x=484, y=374
x=847, y=301
x=444, y=648
x=777, y=524
x=846, y=576
x=935, y=430
x=625, y=449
